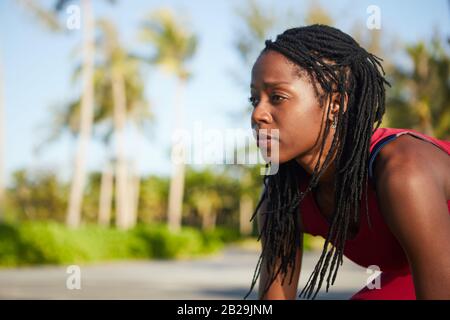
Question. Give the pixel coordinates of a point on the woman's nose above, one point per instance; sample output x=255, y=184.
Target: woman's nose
x=260, y=115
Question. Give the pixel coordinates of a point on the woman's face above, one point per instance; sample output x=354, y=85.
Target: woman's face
x=284, y=100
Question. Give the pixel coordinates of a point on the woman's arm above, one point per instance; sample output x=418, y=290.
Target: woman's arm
x=411, y=187
x=278, y=291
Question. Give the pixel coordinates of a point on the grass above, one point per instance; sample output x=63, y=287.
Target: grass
x=32, y=243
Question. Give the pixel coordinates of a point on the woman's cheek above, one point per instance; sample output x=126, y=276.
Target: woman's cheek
x=287, y=150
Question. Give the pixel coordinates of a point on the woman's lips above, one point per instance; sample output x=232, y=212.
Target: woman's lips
x=266, y=142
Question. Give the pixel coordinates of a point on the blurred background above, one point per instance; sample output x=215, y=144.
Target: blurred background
x=91, y=92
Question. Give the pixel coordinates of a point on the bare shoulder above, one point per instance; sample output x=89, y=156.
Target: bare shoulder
x=411, y=180
x=409, y=158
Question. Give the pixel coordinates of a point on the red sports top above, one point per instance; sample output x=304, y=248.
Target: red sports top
x=376, y=245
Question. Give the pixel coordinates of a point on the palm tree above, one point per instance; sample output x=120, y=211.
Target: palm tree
x=120, y=66
x=44, y=16
x=73, y=217
x=174, y=45
x=110, y=115
x=106, y=188
x=420, y=97
x=204, y=195
x=115, y=104
x=246, y=205
x=207, y=202
x=49, y=19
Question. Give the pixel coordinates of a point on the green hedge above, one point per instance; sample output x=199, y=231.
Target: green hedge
x=31, y=243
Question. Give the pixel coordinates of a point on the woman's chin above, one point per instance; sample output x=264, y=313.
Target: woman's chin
x=274, y=158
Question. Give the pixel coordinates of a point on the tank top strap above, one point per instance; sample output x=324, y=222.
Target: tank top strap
x=387, y=135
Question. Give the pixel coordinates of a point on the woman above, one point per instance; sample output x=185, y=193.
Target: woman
x=379, y=196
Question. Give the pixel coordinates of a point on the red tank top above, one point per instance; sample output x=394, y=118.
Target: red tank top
x=375, y=245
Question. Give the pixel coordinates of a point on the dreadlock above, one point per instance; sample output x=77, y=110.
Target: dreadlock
x=337, y=63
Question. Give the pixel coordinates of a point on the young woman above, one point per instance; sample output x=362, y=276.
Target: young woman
x=379, y=196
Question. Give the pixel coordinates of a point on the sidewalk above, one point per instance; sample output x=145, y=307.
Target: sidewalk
x=223, y=276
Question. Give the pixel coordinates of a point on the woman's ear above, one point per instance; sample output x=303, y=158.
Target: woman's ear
x=337, y=99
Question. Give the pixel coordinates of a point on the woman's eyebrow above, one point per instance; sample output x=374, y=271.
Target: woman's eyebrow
x=271, y=84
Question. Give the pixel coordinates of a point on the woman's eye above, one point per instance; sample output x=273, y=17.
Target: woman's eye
x=277, y=98
x=253, y=101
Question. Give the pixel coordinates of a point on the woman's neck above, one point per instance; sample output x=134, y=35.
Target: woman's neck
x=308, y=161
x=326, y=180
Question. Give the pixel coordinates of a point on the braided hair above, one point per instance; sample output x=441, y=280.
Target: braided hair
x=335, y=61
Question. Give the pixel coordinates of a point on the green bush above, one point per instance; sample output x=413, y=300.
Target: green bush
x=52, y=243
x=10, y=245
x=188, y=242
x=224, y=234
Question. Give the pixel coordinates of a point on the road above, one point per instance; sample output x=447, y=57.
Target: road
x=226, y=275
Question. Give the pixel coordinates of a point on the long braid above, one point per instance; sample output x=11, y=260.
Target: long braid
x=338, y=64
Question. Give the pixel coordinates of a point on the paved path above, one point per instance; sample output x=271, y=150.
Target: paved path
x=224, y=276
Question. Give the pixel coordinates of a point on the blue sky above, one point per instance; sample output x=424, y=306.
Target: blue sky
x=37, y=67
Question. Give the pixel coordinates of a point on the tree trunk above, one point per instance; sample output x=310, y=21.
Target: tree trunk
x=176, y=190
x=76, y=192
x=245, y=214
x=209, y=220
x=134, y=186
x=426, y=123
x=120, y=115
x=245, y=207
x=106, y=188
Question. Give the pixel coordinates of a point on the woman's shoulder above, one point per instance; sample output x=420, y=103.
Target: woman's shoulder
x=407, y=158
x=381, y=134
x=395, y=148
